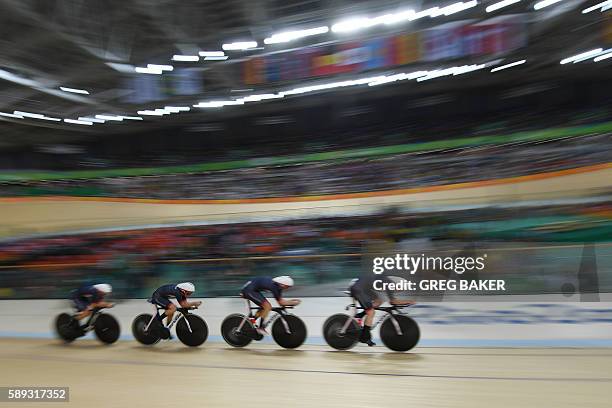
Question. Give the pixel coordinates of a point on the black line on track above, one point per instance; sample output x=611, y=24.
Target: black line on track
x=290, y=370
x=420, y=353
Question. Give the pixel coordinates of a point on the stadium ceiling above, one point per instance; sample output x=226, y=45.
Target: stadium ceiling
x=69, y=59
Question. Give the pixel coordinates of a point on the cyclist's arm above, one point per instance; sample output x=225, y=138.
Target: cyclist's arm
x=392, y=299
x=288, y=302
x=278, y=295
x=388, y=292
x=187, y=304
x=402, y=302
x=101, y=304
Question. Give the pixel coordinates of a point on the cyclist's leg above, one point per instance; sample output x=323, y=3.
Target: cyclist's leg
x=170, y=309
x=168, y=306
x=264, y=306
x=368, y=305
x=82, y=306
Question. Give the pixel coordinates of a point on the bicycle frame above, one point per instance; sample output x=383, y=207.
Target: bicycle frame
x=95, y=312
x=278, y=312
x=389, y=314
x=182, y=312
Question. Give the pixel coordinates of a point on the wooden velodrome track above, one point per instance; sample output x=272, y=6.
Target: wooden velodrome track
x=216, y=375
x=47, y=215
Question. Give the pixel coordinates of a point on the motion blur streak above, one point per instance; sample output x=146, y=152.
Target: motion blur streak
x=330, y=138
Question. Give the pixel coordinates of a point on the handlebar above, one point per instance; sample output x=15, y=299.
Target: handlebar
x=393, y=307
x=186, y=309
x=274, y=309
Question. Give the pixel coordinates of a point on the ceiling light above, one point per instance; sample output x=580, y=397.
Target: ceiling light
x=186, y=58
x=29, y=114
x=78, y=122
x=499, y=5
x=587, y=54
x=176, y=109
x=512, y=64
x=147, y=70
x=94, y=120
x=149, y=113
x=74, y=90
x=399, y=17
x=287, y=36
x=162, y=67
x=544, y=3
x=604, y=56
x=211, y=53
x=457, y=7
x=604, y=5
x=240, y=45
x=11, y=115
x=126, y=68
x=218, y=104
x=220, y=58
x=110, y=117
x=355, y=24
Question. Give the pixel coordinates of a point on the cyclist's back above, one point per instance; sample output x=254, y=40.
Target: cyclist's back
x=262, y=284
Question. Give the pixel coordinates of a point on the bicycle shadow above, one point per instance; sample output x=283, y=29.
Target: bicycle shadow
x=168, y=348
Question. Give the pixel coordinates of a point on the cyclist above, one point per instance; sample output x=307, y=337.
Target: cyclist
x=362, y=290
x=178, y=291
x=252, y=290
x=88, y=297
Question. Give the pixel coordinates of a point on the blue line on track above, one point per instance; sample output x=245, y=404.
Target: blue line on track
x=317, y=341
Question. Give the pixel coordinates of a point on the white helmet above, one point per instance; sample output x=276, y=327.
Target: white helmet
x=186, y=286
x=103, y=287
x=284, y=280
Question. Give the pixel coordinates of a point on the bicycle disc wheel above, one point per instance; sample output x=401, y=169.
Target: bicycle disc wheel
x=150, y=336
x=65, y=327
x=229, y=330
x=198, y=334
x=107, y=328
x=332, y=332
x=407, y=340
x=296, y=335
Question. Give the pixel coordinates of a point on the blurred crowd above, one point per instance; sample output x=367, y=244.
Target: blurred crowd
x=318, y=253
x=331, y=177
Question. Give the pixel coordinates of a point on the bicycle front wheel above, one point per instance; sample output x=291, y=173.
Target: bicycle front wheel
x=409, y=337
x=290, y=336
x=198, y=334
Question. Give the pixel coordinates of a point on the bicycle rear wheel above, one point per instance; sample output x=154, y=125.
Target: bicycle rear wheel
x=66, y=327
x=332, y=329
x=147, y=337
x=229, y=330
x=400, y=342
x=106, y=328
x=198, y=334
x=292, y=338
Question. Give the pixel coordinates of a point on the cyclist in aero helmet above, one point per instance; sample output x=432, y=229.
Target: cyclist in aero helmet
x=88, y=297
x=252, y=290
x=178, y=291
